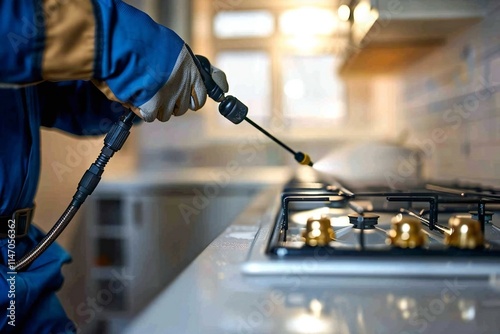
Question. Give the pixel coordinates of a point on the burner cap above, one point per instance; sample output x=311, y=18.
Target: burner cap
x=369, y=220
x=465, y=233
x=319, y=232
x=406, y=232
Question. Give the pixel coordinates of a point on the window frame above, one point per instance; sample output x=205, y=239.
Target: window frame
x=204, y=40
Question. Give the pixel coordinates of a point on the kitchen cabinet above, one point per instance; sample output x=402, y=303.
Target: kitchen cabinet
x=387, y=35
x=142, y=231
x=138, y=243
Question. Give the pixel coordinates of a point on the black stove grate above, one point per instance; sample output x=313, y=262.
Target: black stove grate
x=427, y=203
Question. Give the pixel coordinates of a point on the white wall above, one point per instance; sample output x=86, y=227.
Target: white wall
x=450, y=105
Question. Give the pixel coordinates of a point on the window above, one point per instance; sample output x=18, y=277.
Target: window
x=311, y=96
x=281, y=60
x=250, y=79
x=243, y=24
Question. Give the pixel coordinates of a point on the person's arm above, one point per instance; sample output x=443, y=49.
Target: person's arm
x=129, y=57
x=77, y=107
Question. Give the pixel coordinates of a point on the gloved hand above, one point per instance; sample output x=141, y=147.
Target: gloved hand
x=173, y=98
x=183, y=90
x=150, y=68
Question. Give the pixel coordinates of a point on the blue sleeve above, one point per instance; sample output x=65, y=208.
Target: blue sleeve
x=21, y=42
x=120, y=48
x=77, y=107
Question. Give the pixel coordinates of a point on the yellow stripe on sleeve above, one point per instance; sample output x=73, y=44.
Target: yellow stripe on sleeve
x=70, y=30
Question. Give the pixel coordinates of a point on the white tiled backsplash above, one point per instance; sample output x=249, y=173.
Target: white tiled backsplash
x=450, y=105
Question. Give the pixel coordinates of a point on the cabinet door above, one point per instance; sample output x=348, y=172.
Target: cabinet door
x=189, y=221
x=143, y=249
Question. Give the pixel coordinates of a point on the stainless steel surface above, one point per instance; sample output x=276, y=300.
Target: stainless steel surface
x=368, y=251
x=215, y=294
x=259, y=263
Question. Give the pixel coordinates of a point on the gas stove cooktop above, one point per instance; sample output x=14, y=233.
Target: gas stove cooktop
x=334, y=228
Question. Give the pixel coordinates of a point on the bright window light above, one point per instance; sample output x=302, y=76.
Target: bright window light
x=308, y=21
x=249, y=74
x=294, y=89
x=362, y=13
x=237, y=24
x=344, y=12
x=312, y=90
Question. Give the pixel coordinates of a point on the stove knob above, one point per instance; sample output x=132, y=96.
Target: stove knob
x=319, y=232
x=465, y=233
x=406, y=232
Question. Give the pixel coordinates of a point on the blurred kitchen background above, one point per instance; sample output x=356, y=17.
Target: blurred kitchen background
x=383, y=91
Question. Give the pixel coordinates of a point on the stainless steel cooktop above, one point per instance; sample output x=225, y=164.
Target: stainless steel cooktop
x=324, y=227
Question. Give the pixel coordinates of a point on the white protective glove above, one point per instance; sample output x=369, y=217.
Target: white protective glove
x=174, y=98
x=219, y=78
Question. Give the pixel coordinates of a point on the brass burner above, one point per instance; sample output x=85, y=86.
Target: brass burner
x=319, y=232
x=406, y=232
x=465, y=233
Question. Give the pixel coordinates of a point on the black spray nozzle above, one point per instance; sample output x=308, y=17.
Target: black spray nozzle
x=233, y=109
x=303, y=159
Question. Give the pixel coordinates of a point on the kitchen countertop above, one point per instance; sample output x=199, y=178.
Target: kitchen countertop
x=212, y=295
x=229, y=175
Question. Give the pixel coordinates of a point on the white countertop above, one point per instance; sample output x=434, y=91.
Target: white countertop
x=229, y=175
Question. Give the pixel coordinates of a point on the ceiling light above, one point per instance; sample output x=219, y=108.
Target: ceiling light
x=308, y=21
x=344, y=12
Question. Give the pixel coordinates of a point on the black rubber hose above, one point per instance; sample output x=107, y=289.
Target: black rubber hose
x=113, y=142
x=49, y=238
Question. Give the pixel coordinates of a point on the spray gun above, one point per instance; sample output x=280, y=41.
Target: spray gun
x=235, y=111
x=229, y=106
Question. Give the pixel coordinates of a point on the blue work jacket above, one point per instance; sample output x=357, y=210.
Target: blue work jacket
x=59, y=52
x=75, y=107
